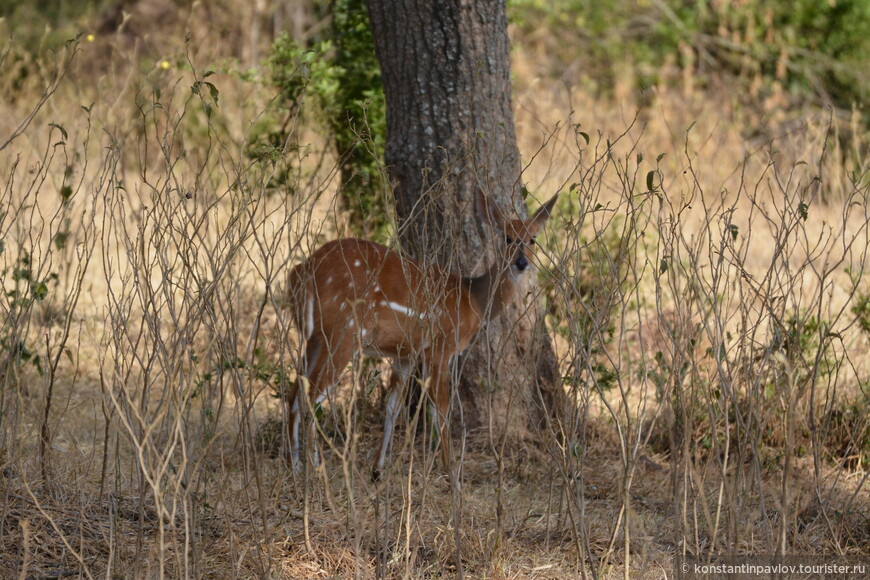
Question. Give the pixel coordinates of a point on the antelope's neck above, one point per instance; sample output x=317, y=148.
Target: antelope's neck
x=491, y=291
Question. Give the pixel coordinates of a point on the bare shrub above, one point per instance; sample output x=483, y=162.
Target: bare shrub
x=705, y=290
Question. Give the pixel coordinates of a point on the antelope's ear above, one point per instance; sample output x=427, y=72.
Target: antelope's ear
x=541, y=216
x=487, y=211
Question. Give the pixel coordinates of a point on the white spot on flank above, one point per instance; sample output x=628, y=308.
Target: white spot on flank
x=329, y=280
x=357, y=263
x=383, y=303
x=350, y=323
x=364, y=332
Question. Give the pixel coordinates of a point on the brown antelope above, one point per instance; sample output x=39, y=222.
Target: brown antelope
x=354, y=296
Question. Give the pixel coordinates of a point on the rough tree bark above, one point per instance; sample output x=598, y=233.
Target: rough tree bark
x=450, y=129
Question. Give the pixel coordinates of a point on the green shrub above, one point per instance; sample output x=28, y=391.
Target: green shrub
x=816, y=47
x=338, y=79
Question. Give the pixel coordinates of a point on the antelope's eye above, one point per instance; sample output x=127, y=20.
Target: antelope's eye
x=531, y=241
x=508, y=240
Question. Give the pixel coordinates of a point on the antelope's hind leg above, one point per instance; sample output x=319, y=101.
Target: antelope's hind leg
x=324, y=362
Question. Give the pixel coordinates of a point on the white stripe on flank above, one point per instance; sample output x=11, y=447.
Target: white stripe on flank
x=404, y=309
x=309, y=319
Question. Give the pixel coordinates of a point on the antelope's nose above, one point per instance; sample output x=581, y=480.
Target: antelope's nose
x=522, y=262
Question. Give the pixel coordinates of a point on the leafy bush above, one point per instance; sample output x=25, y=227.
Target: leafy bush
x=341, y=77
x=815, y=47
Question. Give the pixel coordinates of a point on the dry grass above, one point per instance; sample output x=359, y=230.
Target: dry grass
x=703, y=327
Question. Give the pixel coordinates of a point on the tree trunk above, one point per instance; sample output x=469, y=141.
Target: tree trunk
x=450, y=130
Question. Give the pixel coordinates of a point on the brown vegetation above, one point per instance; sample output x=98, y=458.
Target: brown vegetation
x=704, y=283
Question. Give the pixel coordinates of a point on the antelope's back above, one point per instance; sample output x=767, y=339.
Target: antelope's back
x=338, y=275
x=391, y=300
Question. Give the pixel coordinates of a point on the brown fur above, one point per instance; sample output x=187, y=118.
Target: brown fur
x=354, y=295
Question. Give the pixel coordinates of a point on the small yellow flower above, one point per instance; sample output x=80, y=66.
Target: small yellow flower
x=164, y=64
x=90, y=37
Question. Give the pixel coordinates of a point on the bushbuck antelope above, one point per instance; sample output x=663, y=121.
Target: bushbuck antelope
x=354, y=296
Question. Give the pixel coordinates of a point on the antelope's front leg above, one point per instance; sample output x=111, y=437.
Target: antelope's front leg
x=440, y=385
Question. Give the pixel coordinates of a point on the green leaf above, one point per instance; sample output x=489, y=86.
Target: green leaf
x=214, y=92
x=66, y=193
x=60, y=239
x=734, y=231
x=803, y=210
x=61, y=129
x=40, y=291
x=650, y=180
x=663, y=266
x=37, y=362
